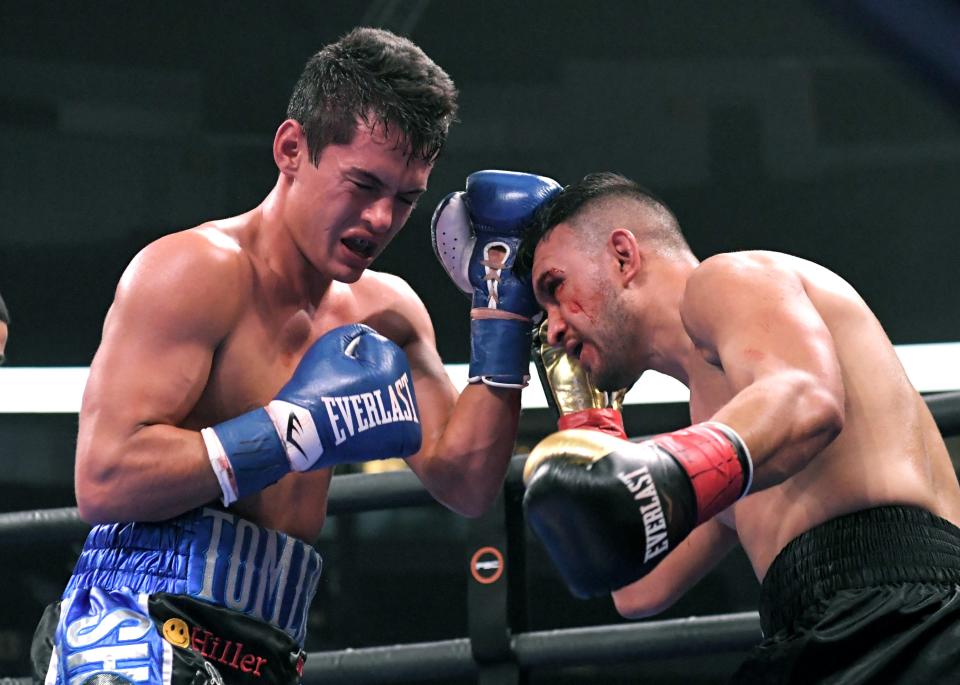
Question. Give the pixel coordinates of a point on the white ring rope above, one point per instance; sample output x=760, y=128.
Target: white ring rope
x=931, y=367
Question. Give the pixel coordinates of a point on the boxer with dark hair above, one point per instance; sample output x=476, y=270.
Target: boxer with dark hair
x=243, y=359
x=808, y=445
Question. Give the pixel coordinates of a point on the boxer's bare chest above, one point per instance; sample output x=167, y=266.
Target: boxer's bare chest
x=262, y=351
x=260, y=355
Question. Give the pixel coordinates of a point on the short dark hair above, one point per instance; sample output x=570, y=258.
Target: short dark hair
x=378, y=77
x=4, y=312
x=570, y=201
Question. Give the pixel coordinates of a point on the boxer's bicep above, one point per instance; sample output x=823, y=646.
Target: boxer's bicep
x=171, y=309
x=682, y=568
x=755, y=319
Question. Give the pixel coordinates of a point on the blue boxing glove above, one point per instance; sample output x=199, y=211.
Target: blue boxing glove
x=350, y=399
x=475, y=234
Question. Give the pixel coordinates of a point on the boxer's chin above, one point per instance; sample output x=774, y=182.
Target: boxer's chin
x=347, y=270
x=609, y=377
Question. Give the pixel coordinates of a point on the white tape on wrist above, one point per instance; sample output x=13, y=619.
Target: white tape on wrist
x=486, y=380
x=220, y=465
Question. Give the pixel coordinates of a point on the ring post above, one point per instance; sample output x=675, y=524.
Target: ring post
x=488, y=597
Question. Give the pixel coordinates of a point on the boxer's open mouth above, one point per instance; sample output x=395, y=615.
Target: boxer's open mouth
x=359, y=246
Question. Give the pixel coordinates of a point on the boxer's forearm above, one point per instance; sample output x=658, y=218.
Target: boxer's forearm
x=156, y=473
x=465, y=467
x=786, y=419
x=683, y=568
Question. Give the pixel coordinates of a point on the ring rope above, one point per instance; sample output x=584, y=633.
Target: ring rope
x=591, y=646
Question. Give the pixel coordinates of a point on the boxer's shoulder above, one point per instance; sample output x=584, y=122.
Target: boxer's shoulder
x=736, y=281
x=200, y=273
x=378, y=291
x=204, y=253
x=380, y=284
x=745, y=267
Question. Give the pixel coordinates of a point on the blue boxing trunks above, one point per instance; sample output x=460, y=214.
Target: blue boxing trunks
x=207, y=597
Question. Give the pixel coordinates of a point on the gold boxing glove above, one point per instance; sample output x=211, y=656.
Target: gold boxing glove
x=571, y=393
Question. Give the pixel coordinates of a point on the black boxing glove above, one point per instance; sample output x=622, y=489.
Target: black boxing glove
x=608, y=511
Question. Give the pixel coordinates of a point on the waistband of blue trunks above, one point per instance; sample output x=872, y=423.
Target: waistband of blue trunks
x=882, y=546
x=208, y=554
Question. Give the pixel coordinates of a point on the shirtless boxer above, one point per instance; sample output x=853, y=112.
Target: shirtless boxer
x=243, y=359
x=850, y=519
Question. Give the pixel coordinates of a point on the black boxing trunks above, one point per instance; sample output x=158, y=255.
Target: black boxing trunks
x=203, y=598
x=870, y=597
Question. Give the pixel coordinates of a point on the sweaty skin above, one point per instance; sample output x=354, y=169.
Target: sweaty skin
x=783, y=351
x=889, y=450
x=209, y=323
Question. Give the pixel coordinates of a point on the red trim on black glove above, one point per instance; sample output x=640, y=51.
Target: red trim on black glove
x=607, y=420
x=717, y=462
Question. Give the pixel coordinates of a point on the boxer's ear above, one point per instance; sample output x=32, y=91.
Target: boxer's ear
x=622, y=246
x=290, y=150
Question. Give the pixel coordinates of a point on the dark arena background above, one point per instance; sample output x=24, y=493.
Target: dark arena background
x=787, y=125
